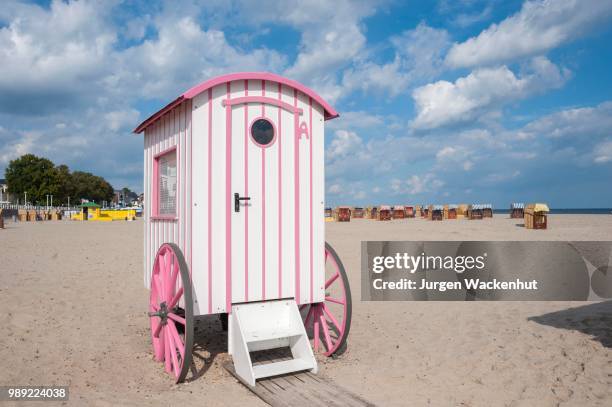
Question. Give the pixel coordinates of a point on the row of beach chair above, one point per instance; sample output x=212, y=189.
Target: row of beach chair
x=535, y=215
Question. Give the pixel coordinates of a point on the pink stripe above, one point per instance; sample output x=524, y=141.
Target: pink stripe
x=280, y=197
x=184, y=147
x=311, y=234
x=228, y=204
x=262, y=99
x=209, y=200
x=147, y=191
x=263, y=223
x=178, y=173
x=246, y=193
x=154, y=226
x=164, y=152
x=190, y=185
x=155, y=194
x=182, y=140
x=296, y=157
x=263, y=203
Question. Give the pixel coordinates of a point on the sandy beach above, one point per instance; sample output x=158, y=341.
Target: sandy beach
x=74, y=314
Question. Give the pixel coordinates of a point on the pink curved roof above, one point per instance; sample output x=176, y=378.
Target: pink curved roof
x=329, y=112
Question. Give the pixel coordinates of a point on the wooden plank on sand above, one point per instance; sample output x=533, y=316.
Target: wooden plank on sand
x=302, y=389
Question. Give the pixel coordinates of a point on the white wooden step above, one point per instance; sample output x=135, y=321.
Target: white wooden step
x=279, y=368
x=270, y=334
x=264, y=326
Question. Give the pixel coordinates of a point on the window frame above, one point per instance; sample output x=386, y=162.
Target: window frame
x=274, y=135
x=156, y=178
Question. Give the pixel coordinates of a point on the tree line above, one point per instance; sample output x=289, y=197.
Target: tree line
x=39, y=177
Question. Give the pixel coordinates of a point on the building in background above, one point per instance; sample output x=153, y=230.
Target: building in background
x=4, y=195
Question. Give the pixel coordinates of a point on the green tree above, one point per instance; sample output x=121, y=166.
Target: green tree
x=90, y=187
x=64, y=179
x=33, y=175
x=128, y=195
x=39, y=177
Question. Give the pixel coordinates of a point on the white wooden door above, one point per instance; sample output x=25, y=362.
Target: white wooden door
x=257, y=182
x=277, y=235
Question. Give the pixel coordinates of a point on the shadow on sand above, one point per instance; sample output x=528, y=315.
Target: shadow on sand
x=210, y=340
x=594, y=319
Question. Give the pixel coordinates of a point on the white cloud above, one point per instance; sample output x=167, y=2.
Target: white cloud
x=419, y=56
x=603, y=152
x=335, y=189
x=57, y=56
x=467, y=19
x=445, y=102
x=495, y=178
x=68, y=57
x=345, y=143
x=416, y=184
x=118, y=119
x=332, y=38
x=446, y=153
x=164, y=66
x=23, y=143
x=582, y=122
x=357, y=120
x=453, y=157
x=538, y=27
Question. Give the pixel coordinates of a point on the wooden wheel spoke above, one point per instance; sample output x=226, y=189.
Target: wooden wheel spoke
x=177, y=339
x=175, y=272
x=175, y=363
x=167, y=262
x=162, y=279
x=332, y=279
x=176, y=298
x=171, y=284
x=334, y=300
x=308, y=316
x=329, y=325
x=157, y=286
x=331, y=317
x=168, y=276
x=316, y=331
x=157, y=329
x=168, y=362
x=328, y=341
x=176, y=318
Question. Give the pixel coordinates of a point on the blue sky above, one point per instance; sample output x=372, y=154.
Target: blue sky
x=440, y=101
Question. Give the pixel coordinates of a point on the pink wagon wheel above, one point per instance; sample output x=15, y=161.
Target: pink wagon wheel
x=171, y=311
x=328, y=322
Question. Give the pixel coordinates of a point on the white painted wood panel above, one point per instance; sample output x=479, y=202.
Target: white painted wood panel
x=318, y=170
x=304, y=207
x=238, y=186
x=198, y=159
x=200, y=229
x=272, y=200
x=288, y=197
x=255, y=255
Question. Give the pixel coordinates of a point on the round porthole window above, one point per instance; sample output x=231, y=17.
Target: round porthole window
x=262, y=132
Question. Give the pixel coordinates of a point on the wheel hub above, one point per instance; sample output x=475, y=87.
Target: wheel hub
x=162, y=313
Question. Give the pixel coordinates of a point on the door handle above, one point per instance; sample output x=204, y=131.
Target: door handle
x=237, y=199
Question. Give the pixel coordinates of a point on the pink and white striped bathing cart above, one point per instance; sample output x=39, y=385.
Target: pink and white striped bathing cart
x=234, y=224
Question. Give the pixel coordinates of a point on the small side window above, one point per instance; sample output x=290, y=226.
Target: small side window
x=166, y=184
